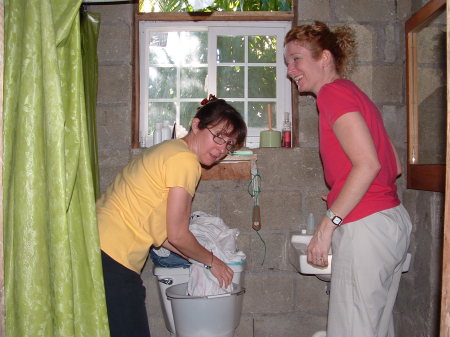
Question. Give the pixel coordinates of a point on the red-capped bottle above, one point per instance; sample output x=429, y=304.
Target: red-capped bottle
x=286, y=134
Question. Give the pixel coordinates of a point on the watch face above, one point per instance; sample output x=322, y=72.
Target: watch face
x=337, y=220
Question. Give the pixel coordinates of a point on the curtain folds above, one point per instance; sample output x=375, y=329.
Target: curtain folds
x=53, y=276
x=90, y=26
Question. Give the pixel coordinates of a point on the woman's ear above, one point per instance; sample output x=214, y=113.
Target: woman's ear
x=327, y=57
x=194, y=125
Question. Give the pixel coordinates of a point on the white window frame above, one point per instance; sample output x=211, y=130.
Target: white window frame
x=214, y=28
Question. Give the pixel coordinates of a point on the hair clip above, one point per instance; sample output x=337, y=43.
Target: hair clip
x=210, y=98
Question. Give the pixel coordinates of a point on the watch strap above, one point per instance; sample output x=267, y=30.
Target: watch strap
x=336, y=220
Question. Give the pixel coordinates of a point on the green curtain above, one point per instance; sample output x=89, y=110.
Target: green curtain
x=53, y=276
x=90, y=26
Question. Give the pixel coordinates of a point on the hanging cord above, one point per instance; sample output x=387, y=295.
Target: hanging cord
x=254, y=189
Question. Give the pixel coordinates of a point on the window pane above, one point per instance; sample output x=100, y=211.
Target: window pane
x=162, y=82
x=194, y=47
x=148, y=6
x=257, y=114
x=159, y=52
x=262, y=49
x=187, y=112
x=230, y=49
x=263, y=82
x=159, y=112
x=230, y=81
x=193, y=82
x=239, y=106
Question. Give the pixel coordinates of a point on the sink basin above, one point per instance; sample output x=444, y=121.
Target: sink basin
x=298, y=258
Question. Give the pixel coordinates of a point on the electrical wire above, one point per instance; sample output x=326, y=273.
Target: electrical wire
x=254, y=189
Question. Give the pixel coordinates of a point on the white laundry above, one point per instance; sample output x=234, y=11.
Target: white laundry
x=161, y=251
x=212, y=233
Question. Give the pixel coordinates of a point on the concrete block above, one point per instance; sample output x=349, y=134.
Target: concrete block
x=289, y=325
x=110, y=163
x=404, y=8
x=114, y=84
x=314, y=10
x=114, y=137
x=111, y=13
x=206, y=202
x=310, y=295
x=303, y=163
x=388, y=84
x=280, y=209
x=309, y=125
x=115, y=115
x=394, y=119
x=391, y=41
x=269, y=293
x=245, y=327
x=366, y=38
x=313, y=203
x=236, y=209
x=365, y=10
x=267, y=255
x=363, y=78
x=115, y=43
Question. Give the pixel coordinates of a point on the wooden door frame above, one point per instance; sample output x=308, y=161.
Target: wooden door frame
x=445, y=294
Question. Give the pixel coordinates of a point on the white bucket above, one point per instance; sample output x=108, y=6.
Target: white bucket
x=205, y=316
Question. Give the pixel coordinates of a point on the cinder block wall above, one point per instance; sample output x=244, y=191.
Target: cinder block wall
x=279, y=302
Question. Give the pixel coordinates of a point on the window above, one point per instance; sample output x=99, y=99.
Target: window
x=242, y=62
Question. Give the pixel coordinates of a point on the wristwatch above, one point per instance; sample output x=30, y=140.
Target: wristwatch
x=334, y=218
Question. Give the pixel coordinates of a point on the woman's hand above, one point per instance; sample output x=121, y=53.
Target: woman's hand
x=320, y=243
x=222, y=272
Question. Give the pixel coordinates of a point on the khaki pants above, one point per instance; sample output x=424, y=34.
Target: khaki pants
x=368, y=255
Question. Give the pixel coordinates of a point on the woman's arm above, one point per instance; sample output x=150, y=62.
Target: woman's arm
x=356, y=141
x=179, y=236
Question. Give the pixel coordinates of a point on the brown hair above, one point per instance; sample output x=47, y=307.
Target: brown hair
x=340, y=43
x=217, y=110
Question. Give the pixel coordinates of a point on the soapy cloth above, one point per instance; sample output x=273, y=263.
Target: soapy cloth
x=213, y=234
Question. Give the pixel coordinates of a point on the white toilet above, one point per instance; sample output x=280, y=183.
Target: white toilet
x=171, y=277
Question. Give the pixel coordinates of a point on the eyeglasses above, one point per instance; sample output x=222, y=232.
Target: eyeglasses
x=219, y=140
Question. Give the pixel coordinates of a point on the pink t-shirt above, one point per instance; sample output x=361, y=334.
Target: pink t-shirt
x=334, y=100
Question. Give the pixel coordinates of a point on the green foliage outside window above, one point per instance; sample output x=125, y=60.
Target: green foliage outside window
x=148, y=6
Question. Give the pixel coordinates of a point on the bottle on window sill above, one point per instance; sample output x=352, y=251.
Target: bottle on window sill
x=157, y=134
x=166, y=133
x=286, y=134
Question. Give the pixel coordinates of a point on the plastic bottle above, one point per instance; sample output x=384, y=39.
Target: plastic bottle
x=166, y=133
x=148, y=140
x=310, y=224
x=157, y=134
x=286, y=134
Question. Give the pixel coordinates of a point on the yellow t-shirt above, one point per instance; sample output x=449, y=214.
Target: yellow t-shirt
x=131, y=215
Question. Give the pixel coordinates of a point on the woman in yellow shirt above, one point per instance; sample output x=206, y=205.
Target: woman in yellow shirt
x=149, y=204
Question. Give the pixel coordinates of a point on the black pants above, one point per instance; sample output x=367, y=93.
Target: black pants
x=125, y=300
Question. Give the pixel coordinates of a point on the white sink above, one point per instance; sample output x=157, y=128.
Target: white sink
x=298, y=258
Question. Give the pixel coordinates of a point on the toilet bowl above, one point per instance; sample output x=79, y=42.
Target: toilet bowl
x=169, y=277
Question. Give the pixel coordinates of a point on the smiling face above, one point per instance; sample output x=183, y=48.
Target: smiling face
x=201, y=141
x=308, y=73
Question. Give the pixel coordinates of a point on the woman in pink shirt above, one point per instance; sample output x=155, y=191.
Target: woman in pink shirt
x=365, y=225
